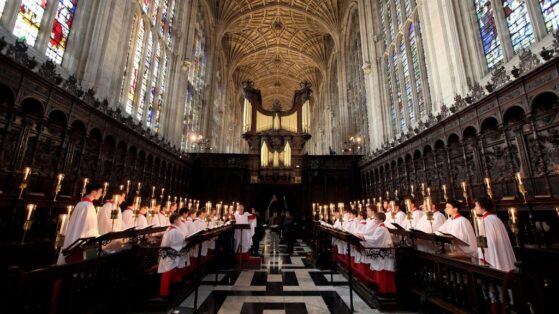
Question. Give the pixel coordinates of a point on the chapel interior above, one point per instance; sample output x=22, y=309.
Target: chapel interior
x=279, y=156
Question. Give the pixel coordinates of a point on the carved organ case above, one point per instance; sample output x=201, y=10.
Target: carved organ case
x=275, y=135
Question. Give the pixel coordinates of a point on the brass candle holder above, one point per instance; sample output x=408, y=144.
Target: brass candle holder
x=427, y=204
x=488, y=188
x=464, y=185
x=513, y=223
x=23, y=184
x=85, y=182
x=520, y=186
x=61, y=226
x=30, y=209
x=105, y=190
x=58, y=187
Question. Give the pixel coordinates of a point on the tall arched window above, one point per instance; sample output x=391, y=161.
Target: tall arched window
x=508, y=26
x=28, y=20
x=61, y=29
x=488, y=30
x=151, y=53
x=405, y=72
x=2, y=5
x=355, y=78
x=550, y=10
x=196, y=82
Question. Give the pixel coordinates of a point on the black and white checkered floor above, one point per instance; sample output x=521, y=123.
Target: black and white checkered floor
x=286, y=283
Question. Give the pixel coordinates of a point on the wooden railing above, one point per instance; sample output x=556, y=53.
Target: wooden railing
x=439, y=283
x=113, y=282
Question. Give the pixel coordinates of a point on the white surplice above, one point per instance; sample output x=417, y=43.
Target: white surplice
x=416, y=215
x=246, y=233
x=200, y=225
x=380, y=238
x=462, y=229
x=82, y=224
x=172, y=238
x=128, y=218
x=499, y=253
x=104, y=221
x=424, y=225
x=141, y=221
x=399, y=218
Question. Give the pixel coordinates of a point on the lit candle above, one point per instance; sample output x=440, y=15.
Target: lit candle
x=379, y=206
x=392, y=205
x=423, y=189
x=411, y=189
x=513, y=214
x=396, y=193
x=487, y=182
x=121, y=187
x=519, y=178
x=445, y=195
x=26, y=173
x=85, y=180
x=60, y=178
x=139, y=188
x=127, y=186
x=428, y=191
x=153, y=191
x=408, y=205
x=475, y=221
x=428, y=203
x=137, y=201
x=30, y=210
x=62, y=219
x=557, y=210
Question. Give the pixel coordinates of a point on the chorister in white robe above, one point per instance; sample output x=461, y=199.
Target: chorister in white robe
x=104, y=221
x=162, y=220
x=380, y=238
x=416, y=215
x=359, y=228
x=348, y=226
x=337, y=224
x=128, y=218
x=172, y=238
x=399, y=218
x=200, y=225
x=462, y=229
x=82, y=224
x=499, y=253
x=246, y=233
x=141, y=221
x=425, y=226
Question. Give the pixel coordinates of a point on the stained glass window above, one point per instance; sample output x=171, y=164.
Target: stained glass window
x=407, y=81
x=122, y=84
x=153, y=89
x=159, y=106
x=388, y=77
x=416, y=70
x=518, y=21
x=145, y=5
x=29, y=19
x=61, y=30
x=155, y=12
x=398, y=14
x=164, y=6
x=488, y=31
x=2, y=5
x=407, y=7
x=171, y=20
x=383, y=22
x=135, y=68
x=399, y=102
x=145, y=77
x=550, y=10
x=389, y=21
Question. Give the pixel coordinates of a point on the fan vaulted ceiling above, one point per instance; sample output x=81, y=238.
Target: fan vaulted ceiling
x=278, y=43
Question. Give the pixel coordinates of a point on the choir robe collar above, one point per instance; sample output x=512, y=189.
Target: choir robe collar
x=456, y=217
x=486, y=214
x=87, y=199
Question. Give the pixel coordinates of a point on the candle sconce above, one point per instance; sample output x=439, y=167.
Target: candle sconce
x=58, y=187
x=30, y=209
x=23, y=185
x=513, y=223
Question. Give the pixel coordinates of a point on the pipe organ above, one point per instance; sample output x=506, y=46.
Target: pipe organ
x=277, y=137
